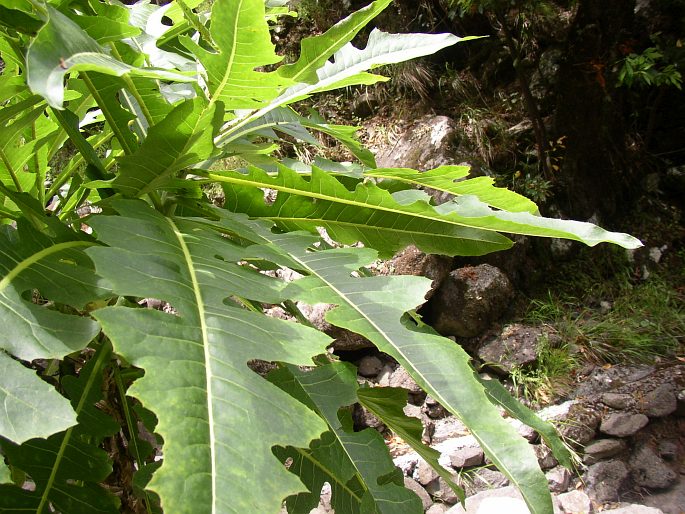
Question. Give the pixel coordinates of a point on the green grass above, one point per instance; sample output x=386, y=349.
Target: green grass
x=634, y=323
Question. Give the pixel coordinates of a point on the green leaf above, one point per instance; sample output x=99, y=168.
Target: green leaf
x=61, y=46
x=30, y=407
x=449, y=180
x=350, y=65
x=105, y=91
x=368, y=214
x=5, y=474
x=183, y=138
x=67, y=467
x=18, y=20
x=374, y=307
x=387, y=404
x=549, y=434
x=111, y=23
x=389, y=222
x=287, y=120
x=197, y=380
x=60, y=271
x=241, y=33
x=469, y=210
x=16, y=149
x=357, y=465
x=316, y=50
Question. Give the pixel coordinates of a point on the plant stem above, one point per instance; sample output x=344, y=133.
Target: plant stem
x=133, y=441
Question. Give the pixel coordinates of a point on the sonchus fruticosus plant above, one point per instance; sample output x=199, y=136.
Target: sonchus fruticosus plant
x=115, y=119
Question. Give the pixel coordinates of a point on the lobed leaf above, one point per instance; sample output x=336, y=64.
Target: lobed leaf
x=374, y=307
x=349, y=68
x=183, y=138
x=358, y=466
x=62, y=46
x=30, y=407
x=201, y=383
x=240, y=32
x=450, y=179
x=368, y=214
x=316, y=50
x=67, y=467
x=58, y=268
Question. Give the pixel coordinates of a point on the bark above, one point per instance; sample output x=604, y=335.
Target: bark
x=596, y=174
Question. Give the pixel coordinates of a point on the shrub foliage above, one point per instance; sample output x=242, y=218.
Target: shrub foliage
x=114, y=120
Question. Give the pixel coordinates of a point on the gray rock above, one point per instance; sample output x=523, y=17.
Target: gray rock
x=425, y=474
x=365, y=418
x=558, y=479
x=577, y=423
x=528, y=433
x=496, y=501
x=659, y=402
x=670, y=501
x=668, y=450
x=439, y=490
x=580, y=425
x=412, y=484
x=384, y=374
x=617, y=401
x=401, y=378
x=603, y=449
x=448, y=428
x=426, y=144
x=484, y=480
x=648, y=470
x=622, y=424
x=408, y=463
x=433, y=409
x=345, y=340
x=467, y=457
x=370, y=366
x=412, y=261
x=438, y=508
x=516, y=346
x=604, y=480
x=545, y=456
x=469, y=300
x=365, y=104
x=413, y=411
x=681, y=403
x=633, y=509
x=602, y=380
x=574, y=502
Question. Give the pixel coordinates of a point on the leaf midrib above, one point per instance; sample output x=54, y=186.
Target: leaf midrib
x=34, y=258
x=199, y=304
x=229, y=64
x=67, y=436
x=433, y=392
x=354, y=203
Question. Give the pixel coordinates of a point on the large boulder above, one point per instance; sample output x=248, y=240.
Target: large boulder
x=605, y=480
x=470, y=300
x=412, y=261
x=426, y=144
x=516, y=346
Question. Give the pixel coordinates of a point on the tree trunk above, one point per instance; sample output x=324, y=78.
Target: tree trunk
x=595, y=173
